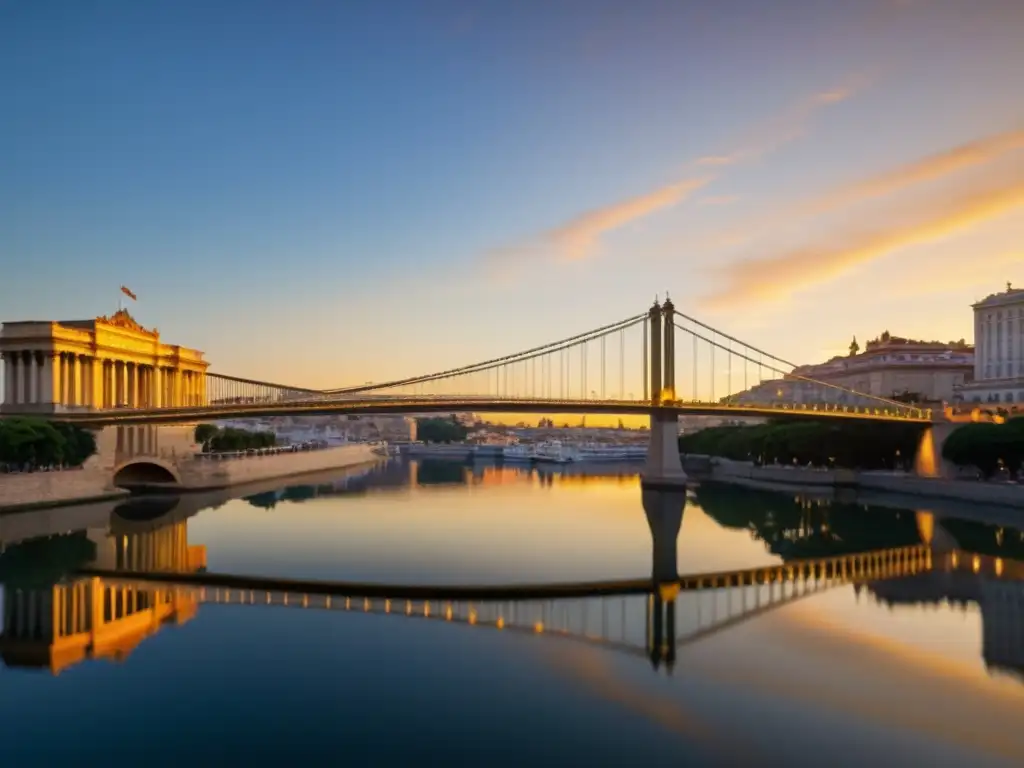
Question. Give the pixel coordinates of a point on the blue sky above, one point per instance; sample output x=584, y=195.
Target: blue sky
x=325, y=193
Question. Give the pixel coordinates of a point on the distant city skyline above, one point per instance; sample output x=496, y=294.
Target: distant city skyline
x=330, y=194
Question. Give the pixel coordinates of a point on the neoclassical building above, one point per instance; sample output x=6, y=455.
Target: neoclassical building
x=999, y=364
x=109, y=362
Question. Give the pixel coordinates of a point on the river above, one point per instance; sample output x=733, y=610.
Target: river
x=910, y=662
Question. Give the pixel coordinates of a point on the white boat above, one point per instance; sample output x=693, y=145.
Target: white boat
x=556, y=452
x=518, y=452
x=614, y=452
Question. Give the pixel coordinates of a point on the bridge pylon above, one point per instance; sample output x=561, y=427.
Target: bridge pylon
x=664, y=468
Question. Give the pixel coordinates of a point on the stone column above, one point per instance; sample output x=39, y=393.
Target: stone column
x=33, y=377
x=111, y=377
x=75, y=374
x=158, y=383
x=51, y=379
x=26, y=377
x=8, y=383
x=96, y=370
x=15, y=362
x=45, y=392
x=123, y=396
x=65, y=378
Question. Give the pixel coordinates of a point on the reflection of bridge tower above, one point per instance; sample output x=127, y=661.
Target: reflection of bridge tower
x=664, y=511
x=664, y=466
x=59, y=625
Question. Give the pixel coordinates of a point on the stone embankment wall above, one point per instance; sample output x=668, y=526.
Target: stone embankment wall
x=745, y=473
x=47, y=489
x=171, y=447
x=208, y=474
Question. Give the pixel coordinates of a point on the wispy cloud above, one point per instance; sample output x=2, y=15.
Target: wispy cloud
x=577, y=239
x=783, y=128
x=777, y=277
x=926, y=169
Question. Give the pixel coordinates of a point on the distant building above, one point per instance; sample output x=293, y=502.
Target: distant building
x=999, y=336
x=889, y=367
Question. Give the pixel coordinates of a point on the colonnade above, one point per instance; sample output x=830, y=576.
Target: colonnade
x=74, y=380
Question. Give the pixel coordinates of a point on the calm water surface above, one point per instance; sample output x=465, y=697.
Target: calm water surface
x=917, y=669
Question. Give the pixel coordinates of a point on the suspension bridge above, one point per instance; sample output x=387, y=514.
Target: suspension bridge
x=660, y=364
x=661, y=361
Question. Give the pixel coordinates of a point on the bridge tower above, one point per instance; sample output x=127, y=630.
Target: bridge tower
x=664, y=467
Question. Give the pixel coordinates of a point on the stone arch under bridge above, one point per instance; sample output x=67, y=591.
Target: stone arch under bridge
x=146, y=472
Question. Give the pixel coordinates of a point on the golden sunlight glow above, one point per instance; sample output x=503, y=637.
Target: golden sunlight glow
x=926, y=526
x=926, y=463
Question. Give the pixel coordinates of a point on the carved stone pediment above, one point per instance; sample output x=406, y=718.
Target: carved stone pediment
x=122, y=319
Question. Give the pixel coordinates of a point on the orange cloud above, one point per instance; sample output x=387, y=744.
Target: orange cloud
x=925, y=169
x=777, y=277
x=577, y=239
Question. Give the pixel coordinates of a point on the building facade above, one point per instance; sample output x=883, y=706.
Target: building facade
x=999, y=338
x=109, y=362
x=888, y=367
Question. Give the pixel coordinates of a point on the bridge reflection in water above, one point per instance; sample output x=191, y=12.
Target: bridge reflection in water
x=142, y=574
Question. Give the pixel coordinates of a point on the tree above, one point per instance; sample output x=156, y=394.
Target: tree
x=815, y=442
x=987, y=446
x=38, y=442
x=440, y=431
x=230, y=439
x=204, y=433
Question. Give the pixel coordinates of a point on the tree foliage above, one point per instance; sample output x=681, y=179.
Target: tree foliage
x=204, y=433
x=38, y=443
x=854, y=445
x=439, y=430
x=232, y=439
x=987, y=446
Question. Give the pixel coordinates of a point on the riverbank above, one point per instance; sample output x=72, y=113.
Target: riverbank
x=911, y=487
x=95, y=481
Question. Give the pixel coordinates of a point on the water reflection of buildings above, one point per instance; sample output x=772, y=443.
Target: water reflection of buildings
x=995, y=585
x=56, y=625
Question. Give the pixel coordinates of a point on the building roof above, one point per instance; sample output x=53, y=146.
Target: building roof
x=1010, y=296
